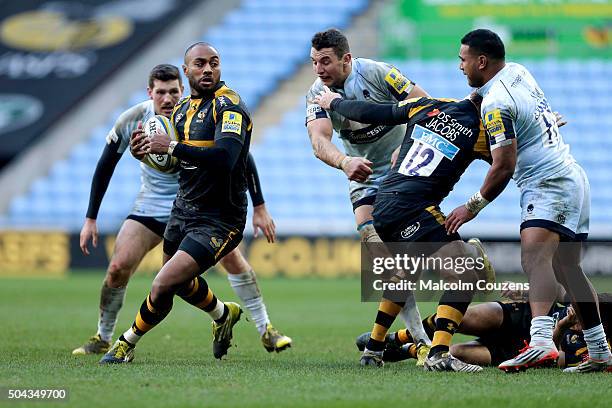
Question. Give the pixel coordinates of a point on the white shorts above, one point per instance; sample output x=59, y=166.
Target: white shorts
x=560, y=203
x=158, y=206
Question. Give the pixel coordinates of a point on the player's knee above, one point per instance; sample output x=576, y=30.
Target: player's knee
x=161, y=289
x=234, y=262
x=118, y=273
x=460, y=351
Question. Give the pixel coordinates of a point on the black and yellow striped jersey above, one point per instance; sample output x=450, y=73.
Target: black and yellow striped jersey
x=443, y=136
x=200, y=122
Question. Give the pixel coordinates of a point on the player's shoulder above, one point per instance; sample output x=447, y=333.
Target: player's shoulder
x=316, y=87
x=227, y=98
x=364, y=64
x=183, y=100
x=132, y=115
x=497, y=97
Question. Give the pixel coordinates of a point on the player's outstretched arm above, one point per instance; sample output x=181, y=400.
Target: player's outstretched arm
x=498, y=176
x=362, y=111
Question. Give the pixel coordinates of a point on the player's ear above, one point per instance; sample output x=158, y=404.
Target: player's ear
x=483, y=61
x=184, y=69
x=346, y=58
x=150, y=92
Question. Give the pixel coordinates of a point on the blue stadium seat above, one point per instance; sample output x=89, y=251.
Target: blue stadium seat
x=268, y=48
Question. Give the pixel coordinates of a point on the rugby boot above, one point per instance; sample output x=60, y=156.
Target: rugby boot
x=488, y=273
x=371, y=358
x=122, y=352
x=591, y=366
x=531, y=357
x=444, y=361
x=222, y=333
x=273, y=340
x=95, y=345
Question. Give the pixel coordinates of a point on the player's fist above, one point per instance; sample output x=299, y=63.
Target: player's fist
x=158, y=143
x=356, y=168
x=138, y=141
x=325, y=98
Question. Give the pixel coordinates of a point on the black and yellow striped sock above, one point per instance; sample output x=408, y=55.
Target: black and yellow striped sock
x=429, y=324
x=387, y=311
x=147, y=318
x=198, y=294
x=412, y=350
x=402, y=337
x=448, y=319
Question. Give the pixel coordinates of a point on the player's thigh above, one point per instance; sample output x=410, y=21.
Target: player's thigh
x=538, y=247
x=482, y=318
x=134, y=241
x=234, y=262
x=471, y=352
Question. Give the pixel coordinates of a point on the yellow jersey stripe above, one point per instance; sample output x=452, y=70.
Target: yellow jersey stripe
x=200, y=143
x=194, y=104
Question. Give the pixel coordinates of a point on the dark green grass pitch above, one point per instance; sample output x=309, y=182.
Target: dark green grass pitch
x=43, y=320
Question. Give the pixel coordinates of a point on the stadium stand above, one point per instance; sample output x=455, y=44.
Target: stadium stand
x=262, y=42
x=305, y=196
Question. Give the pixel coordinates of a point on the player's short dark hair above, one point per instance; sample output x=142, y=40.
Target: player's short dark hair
x=164, y=72
x=331, y=38
x=485, y=42
x=195, y=44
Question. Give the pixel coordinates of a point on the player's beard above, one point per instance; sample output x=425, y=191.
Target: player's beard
x=198, y=89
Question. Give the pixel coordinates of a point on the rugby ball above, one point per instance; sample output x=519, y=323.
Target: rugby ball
x=162, y=162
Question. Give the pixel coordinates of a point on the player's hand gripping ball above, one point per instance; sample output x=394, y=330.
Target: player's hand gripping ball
x=161, y=161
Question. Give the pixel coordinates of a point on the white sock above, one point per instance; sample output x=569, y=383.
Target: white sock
x=131, y=337
x=412, y=317
x=596, y=343
x=111, y=300
x=542, y=331
x=245, y=286
x=217, y=312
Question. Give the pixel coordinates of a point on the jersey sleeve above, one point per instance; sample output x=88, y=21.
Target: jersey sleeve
x=314, y=111
x=498, y=120
x=230, y=120
x=119, y=136
x=392, y=81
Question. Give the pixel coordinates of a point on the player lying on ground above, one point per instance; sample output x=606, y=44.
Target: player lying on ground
x=443, y=136
x=502, y=329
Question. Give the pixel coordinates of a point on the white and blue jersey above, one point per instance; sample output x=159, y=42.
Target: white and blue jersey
x=368, y=81
x=554, y=188
x=158, y=189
